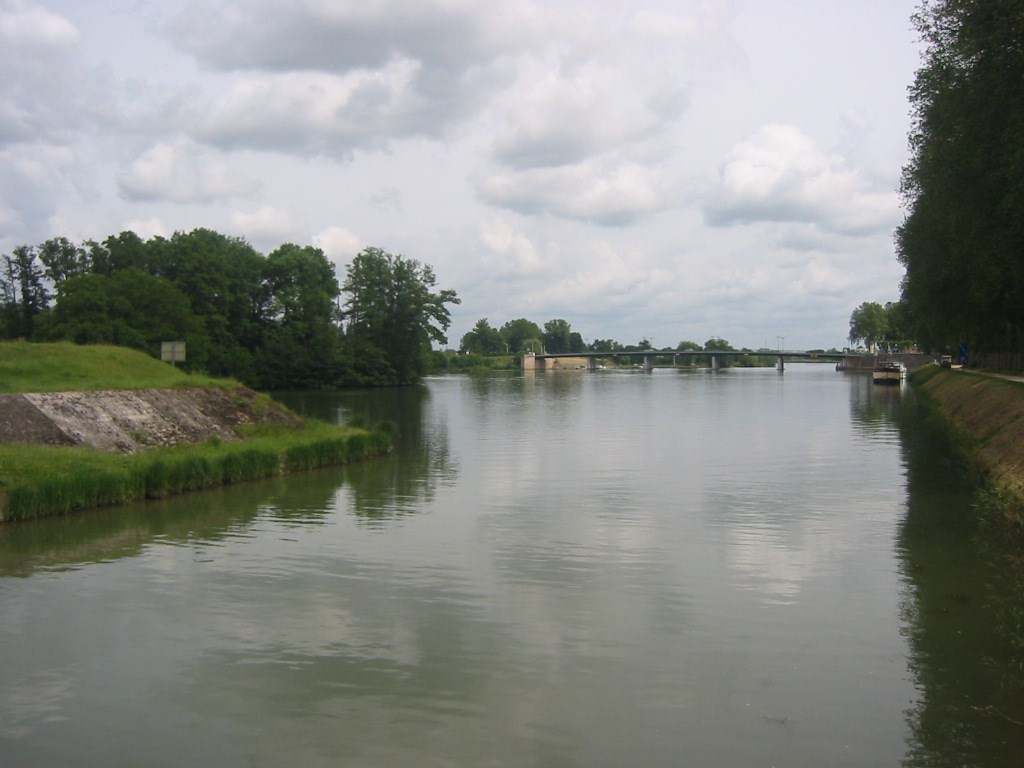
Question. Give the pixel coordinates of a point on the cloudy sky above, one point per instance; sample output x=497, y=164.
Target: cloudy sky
x=645, y=169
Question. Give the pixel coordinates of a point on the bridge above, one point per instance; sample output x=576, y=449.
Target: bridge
x=541, y=361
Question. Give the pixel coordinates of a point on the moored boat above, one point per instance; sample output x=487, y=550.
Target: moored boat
x=889, y=372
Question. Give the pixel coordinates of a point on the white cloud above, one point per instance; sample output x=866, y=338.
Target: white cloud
x=27, y=25
x=37, y=91
x=268, y=227
x=32, y=177
x=508, y=251
x=314, y=112
x=329, y=78
x=598, y=191
x=146, y=228
x=339, y=244
x=554, y=117
x=181, y=171
x=779, y=175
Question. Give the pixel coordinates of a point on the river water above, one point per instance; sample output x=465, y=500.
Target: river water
x=610, y=568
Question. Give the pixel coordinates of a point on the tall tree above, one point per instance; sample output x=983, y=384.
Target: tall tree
x=222, y=278
x=392, y=315
x=482, y=339
x=869, y=323
x=557, y=335
x=300, y=346
x=24, y=292
x=63, y=259
x=520, y=333
x=962, y=242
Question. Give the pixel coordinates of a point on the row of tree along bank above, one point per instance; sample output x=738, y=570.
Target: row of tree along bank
x=962, y=242
x=281, y=321
x=986, y=414
x=516, y=337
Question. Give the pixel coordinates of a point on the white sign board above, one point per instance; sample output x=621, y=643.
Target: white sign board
x=172, y=352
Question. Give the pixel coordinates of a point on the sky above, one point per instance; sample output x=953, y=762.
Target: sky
x=668, y=171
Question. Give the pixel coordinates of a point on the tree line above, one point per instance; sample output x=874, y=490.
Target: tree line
x=280, y=321
x=962, y=240
x=521, y=336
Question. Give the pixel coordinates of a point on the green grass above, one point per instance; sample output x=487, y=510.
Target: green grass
x=60, y=367
x=40, y=481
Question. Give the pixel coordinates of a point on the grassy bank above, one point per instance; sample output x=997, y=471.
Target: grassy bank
x=39, y=481
x=61, y=367
x=987, y=415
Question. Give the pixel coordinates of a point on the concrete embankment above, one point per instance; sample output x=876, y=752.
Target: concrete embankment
x=988, y=413
x=127, y=421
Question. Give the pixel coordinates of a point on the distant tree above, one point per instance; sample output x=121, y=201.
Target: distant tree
x=517, y=332
x=605, y=345
x=688, y=346
x=715, y=344
x=557, y=334
x=869, y=323
x=392, y=315
x=482, y=339
x=576, y=343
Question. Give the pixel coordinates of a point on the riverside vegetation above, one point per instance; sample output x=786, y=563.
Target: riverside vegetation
x=986, y=415
x=41, y=480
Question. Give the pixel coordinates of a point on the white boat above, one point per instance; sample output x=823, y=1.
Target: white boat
x=889, y=372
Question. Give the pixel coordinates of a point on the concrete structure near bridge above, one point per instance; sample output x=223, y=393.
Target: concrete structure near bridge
x=849, y=361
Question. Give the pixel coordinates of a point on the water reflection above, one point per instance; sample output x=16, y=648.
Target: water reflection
x=966, y=661
x=396, y=485
x=203, y=519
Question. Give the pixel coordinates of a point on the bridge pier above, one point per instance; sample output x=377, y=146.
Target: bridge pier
x=714, y=363
x=648, y=364
x=780, y=366
x=531, y=362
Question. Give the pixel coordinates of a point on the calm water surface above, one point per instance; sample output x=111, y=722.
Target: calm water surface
x=577, y=569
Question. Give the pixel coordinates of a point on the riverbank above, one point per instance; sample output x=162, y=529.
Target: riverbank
x=65, y=449
x=987, y=414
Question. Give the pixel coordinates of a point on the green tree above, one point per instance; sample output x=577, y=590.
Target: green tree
x=962, y=241
x=392, y=315
x=605, y=345
x=300, y=339
x=716, y=344
x=517, y=333
x=129, y=308
x=123, y=251
x=557, y=335
x=24, y=292
x=63, y=259
x=482, y=339
x=869, y=323
x=223, y=279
